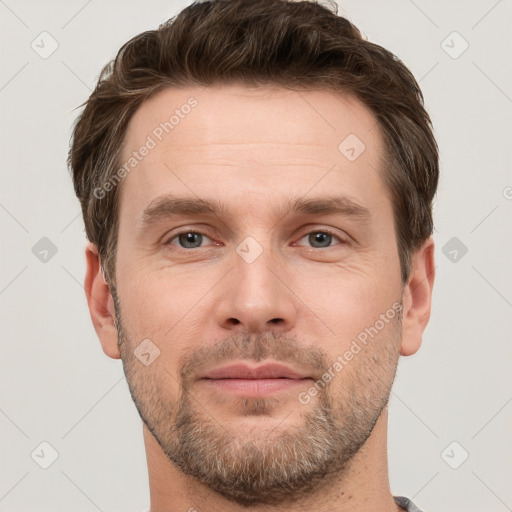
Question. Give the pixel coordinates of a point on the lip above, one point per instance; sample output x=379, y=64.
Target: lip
x=265, y=371
x=246, y=381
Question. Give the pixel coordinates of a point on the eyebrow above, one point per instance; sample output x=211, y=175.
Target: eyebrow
x=169, y=206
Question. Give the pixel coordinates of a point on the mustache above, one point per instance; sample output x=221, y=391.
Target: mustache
x=256, y=348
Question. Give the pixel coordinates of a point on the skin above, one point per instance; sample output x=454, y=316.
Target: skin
x=254, y=149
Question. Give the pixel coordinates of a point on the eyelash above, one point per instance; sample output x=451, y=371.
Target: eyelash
x=186, y=231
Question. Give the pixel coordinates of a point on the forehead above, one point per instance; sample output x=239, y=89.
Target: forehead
x=224, y=139
x=226, y=113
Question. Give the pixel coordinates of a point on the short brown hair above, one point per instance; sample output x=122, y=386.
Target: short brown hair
x=296, y=45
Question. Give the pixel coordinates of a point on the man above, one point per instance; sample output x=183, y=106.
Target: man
x=256, y=183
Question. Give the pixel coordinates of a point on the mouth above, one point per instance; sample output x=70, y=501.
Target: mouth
x=247, y=381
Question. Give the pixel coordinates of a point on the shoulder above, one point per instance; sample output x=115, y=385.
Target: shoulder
x=406, y=503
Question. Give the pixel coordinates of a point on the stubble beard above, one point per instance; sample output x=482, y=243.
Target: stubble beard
x=247, y=467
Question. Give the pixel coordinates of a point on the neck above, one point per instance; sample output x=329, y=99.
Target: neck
x=363, y=486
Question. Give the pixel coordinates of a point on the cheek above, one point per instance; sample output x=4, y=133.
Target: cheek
x=147, y=298
x=151, y=324
x=349, y=300
x=166, y=309
x=366, y=364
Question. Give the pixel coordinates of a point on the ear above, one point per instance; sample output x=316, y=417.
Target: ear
x=101, y=304
x=417, y=298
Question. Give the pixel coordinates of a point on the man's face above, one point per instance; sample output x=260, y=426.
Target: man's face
x=258, y=283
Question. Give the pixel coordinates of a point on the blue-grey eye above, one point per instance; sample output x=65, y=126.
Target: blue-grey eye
x=320, y=238
x=190, y=240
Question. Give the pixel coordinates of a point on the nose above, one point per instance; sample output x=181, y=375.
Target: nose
x=256, y=297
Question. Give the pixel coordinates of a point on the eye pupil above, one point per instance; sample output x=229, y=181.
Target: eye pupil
x=188, y=239
x=323, y=238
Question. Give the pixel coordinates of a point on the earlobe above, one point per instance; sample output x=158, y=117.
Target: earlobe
x=101, y=304
x=417, y=298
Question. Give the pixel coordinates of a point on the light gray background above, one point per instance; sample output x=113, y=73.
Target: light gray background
x=56, y=384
